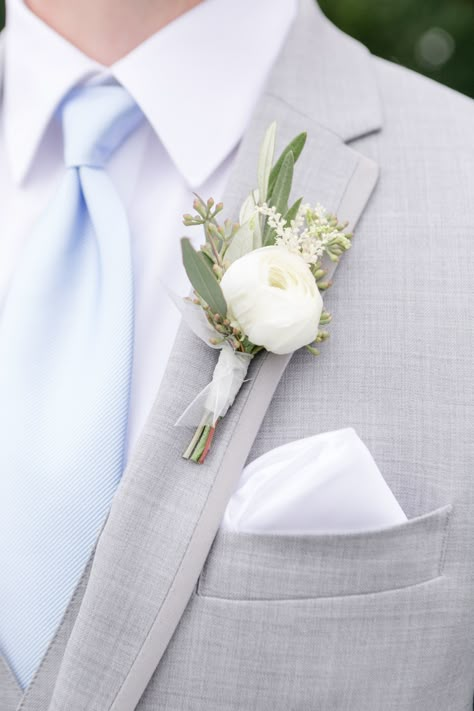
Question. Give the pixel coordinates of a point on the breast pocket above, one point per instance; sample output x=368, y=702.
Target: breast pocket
x=244, y=566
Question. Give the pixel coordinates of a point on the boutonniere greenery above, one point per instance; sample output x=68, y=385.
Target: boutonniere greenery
x=257, y=284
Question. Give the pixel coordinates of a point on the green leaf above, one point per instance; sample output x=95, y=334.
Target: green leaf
x=203, y=278
x=248, y=207
x=242, y=242
x=295, y=147
x=265, y=161
x=282, y=189
x=293, y=211
x=281, y=193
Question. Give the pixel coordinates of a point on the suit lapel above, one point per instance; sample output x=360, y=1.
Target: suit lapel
x=166, y=511
x=10, y=691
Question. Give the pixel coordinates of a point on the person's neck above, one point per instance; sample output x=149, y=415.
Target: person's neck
x=107, y=30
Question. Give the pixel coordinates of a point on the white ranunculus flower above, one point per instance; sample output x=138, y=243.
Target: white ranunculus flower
x=272, y=295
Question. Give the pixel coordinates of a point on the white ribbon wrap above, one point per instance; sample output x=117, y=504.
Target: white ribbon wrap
x=229, y=374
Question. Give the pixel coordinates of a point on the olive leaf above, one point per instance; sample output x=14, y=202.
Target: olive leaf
x=265, y=161
x=280, y=195
x=295, y=147
x=242, y=242
x=248, y=207
x=293, y=211
x=202, y=278
x=247, y=238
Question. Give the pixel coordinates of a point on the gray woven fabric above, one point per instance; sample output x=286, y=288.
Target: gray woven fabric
x=38, y=694
x=380, y=620
x=249, y=566
x=10, y=692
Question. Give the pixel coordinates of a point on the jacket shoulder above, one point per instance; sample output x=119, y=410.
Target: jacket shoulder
x=415, y=97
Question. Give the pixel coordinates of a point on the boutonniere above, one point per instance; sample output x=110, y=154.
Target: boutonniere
x=257, y=284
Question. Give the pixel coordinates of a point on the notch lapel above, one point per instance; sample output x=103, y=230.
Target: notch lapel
x=166, y=511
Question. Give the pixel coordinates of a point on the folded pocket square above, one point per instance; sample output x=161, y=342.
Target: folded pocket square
x=328, y=483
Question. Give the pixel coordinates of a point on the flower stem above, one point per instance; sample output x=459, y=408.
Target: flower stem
x=197, y=436
x=199, y=447
x=212, y=244
x=207, y=447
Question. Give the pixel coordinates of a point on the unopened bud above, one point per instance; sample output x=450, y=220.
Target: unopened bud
x=323, y=285
x=325, y=318
x=199, y=207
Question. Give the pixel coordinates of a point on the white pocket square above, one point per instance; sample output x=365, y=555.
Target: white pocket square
x=328, y=483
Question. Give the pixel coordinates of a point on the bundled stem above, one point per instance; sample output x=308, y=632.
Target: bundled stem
x=200, y=444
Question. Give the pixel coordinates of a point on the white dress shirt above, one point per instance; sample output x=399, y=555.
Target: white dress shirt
x=187, y=143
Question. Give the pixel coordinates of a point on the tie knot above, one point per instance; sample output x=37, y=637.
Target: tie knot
x=95, y=121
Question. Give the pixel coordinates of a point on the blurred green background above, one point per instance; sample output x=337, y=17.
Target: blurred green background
x=435, y=37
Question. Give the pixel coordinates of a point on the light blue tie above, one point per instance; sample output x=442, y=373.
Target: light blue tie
x=66, y=348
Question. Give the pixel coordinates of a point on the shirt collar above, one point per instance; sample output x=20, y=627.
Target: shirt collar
x=40, y=68
x=197, y=80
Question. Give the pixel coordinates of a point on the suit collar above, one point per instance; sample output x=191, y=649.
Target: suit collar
x=34, y=88
x=167, y=510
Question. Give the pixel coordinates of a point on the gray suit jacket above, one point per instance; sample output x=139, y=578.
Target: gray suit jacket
x=170, y=615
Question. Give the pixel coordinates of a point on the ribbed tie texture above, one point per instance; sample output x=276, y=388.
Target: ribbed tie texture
x=66, y=351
